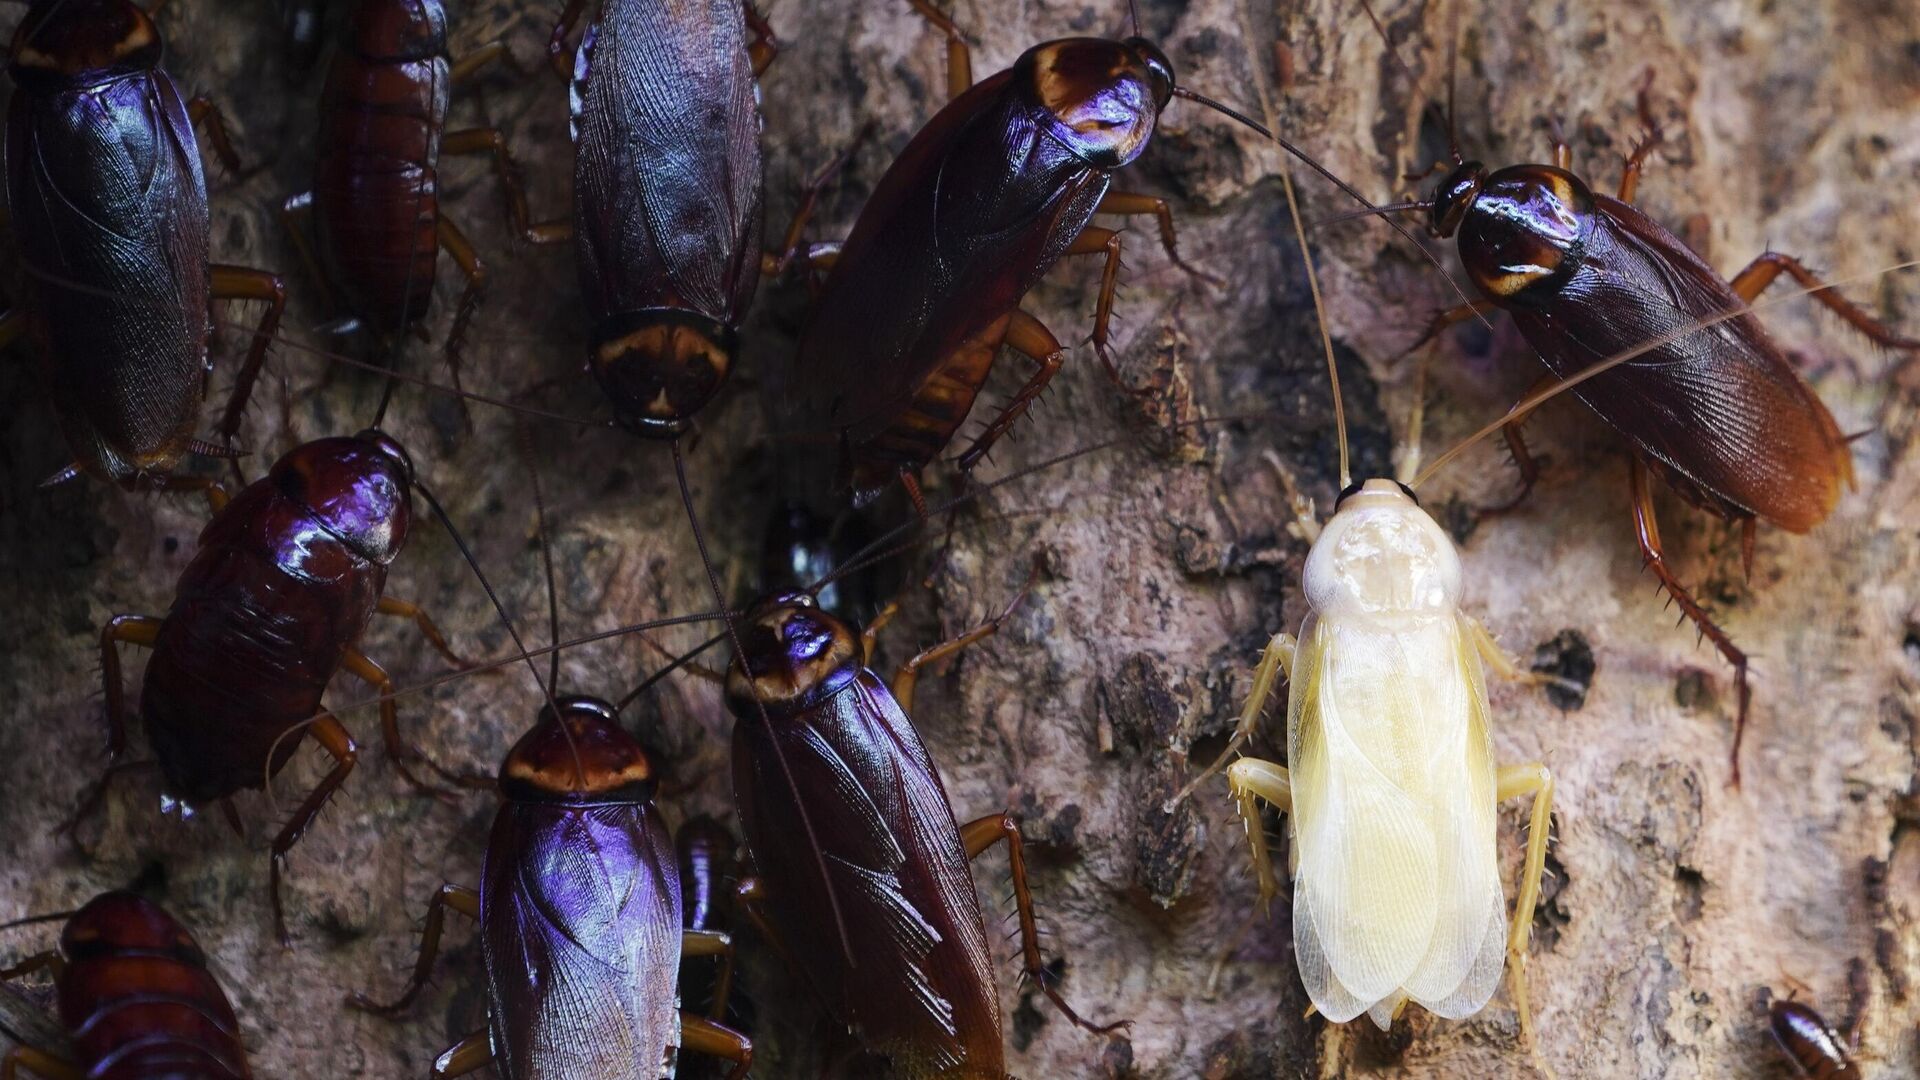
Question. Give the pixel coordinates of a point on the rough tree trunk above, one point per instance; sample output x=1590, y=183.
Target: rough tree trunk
x=1676, y=901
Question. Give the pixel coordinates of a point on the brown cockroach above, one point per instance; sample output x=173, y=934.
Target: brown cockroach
x=1815, y=1050
x=269, y=610
x=1724, y=418
x=136, y=998
x=109, y=214
x=375, y=204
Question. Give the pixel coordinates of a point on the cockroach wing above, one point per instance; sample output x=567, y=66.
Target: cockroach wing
x=109, y=211
x=667, y=184
x=1393, y=818
x=970, y=216
x=920, y=989
x=581, y=938
x=1722, y=411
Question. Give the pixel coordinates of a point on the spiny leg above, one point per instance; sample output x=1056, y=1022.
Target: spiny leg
x=713, y=943
x=1130, y=203
x=1649, y=142
x=870, y=633
x=1647, y=531
x=449, y=896
x=474, y=270
x=335, y=740
x=240, y=283
x=1094, y=240
x=762, y=47
x=1749, y=283
x=1305, y=524
x=791, y=246
x=1447, y=317
x=202, y=112
x=216, y=495
x=976, y=837
x=401, y=752
x=959, y=56
x=1503, y=663
x=25, y=1060
x=1029, y=337
x=1275, y=663
x=469, y=1055
x=490, y=142
x=1513, y=782
x=1523, y=459
x=702, y=1035
x=143, y=630
x=1251, y=780
x=401, y=609
x=908, y=677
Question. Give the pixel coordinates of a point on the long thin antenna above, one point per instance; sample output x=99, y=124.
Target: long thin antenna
x=740, y=654
x=525, y=439
x=1306, y=259
x=52, y=916
x=1535, y=400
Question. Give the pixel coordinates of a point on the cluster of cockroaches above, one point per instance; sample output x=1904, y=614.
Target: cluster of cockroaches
x=856, y=866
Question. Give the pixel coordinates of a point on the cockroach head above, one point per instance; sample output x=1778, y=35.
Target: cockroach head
x=1454, y=197
x=660, y=366
x=1381, y=554
x=1104, y=95
x=118, y=922
x=582, y=754
x=396, y=30
x=1526, y=232
x=62, y=42
x=359, y=488
x=793, y=656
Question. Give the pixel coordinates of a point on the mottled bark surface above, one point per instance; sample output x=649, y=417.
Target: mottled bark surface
x=1677, y=902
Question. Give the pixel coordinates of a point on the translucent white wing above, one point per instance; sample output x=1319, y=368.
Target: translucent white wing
x=1392, y=814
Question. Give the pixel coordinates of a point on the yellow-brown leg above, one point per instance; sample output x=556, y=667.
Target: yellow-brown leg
x=1029, y=337
x=1503, y=663
x=1128, y=203
x=791, y=248
x=870, y=634
x=401, y=609
x=141, y=630
x=959, y=56
x=1649, y=141
x=449, y=896
x=558, y=54
x=335, y=740
x=399, y=751
x=203, y=113
x=1276, y=663
x=469, y=1055
x=908, y=677
x=976, y=837
x=762, y=46
x=1513, y=782
x=700, y=1035
x=468, y=260
x=1749, y=283
x=1094, y=240
x=1251, y=779
x=1452, y=316
x=50, y=961
x=464, y=68
x=490, y=142
x=713, y=943
x=25, y=1060
x=240, y=283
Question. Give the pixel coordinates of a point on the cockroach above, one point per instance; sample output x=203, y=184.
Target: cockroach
x=1725, y=419
x=109, y=213
x=579, y=909
x=709, y=870
x=997, y=187
x=375, y=203
x=269, y=610
x=882, y=919
x=1816, y=1051
x=136, y=997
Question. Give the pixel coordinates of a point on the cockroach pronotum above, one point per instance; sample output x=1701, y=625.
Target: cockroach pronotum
x=375, y=205
x=136, y=996
x=1724, y=418
x=269, y=610
x=579, y=909
x=1816, y=1050
x=996, y=188
x=882, y=919
x=109, y=213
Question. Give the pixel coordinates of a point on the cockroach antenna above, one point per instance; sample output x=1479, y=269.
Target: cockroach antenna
x=525, y=440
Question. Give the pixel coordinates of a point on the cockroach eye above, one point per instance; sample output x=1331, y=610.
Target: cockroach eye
x=1159, y=69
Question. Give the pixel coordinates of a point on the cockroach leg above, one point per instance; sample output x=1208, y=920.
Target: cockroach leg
x=701, y=1035
x=216, y=495
x=908, y=677
x=764, y=46
x=469, y=1055
x=296, y=215
x=1523, y=458
x=141, y=630
x=468, y=260
x=558, y=54
x=456, y=897
x=959, y=56
x=203, y=113
x=466, y=67
x=870, y=634
x=1031, y=338
x=976, y=837
x=401, y=752
x=335, y=740
x=1275, y=663
x=404, y=610
x=27, y=1060
x=95, y=794
x=1128, y=203
x=1630, y=176
x=489, y=141
x=713, y=943
x=1407, y=452
x=1513, y=782
x=1503, y=662
x=51, y=962
x=1441, y=320
x=1306, y=524
x=240, y=283
x=1647, y=531
x=1252, y=780
x=749, y=893
x=1749, y=283
x=791, y=246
